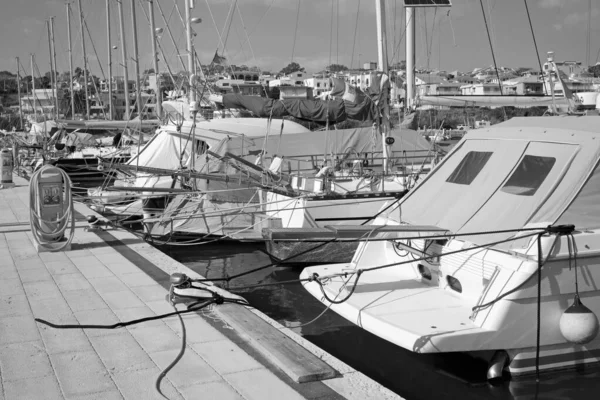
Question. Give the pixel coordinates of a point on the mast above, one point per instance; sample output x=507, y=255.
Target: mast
x=19, y=94
x=70, y=60
x=54, y=72
x=138, y=97
x=410, y=57
x=189, y=49
x=383, y=67
x=85, y=76
x=124, y=56
x=155, y=60
x=111, y=112
x=51, y=65
x=32, y=59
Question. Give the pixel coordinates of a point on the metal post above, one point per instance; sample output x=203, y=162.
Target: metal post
x=19, y=94
x=33, y=85
x=410, y=56
x=70, y=61
x=155, y=60
x=85, y=75
x=54, y=72
x=124, y=56
x=51, y=65
x=138, y=97
x=111, y=111
x=189, y=49
x=383, y=67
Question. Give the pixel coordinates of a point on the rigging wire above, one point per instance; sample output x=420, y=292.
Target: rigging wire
x=331, y=31
x=355, y=31
x=491, y=47
x=337, y=32
x=537, y=53
x=295, y=30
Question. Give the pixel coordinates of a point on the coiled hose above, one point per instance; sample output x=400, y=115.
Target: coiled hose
x=44, y=231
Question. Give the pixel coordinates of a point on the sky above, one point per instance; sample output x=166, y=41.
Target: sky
x=313, y=33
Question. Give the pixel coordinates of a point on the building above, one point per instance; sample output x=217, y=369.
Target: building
x=449, y=89
x=370, y=66
x=427, y=84
x=523, y=86
x=481, y=89
x=319, y=85
x=293, y=79
x=41, y=101
x=360, y=79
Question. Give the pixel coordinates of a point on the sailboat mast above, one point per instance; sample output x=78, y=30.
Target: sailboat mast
x=124, y=56
x=155, y=60
x=189, y=49
x=383, y=67
x=410, y=57
x=32, y=59
x=85, y=74
x=51, y=65
x=54, y=72
x=111, y=112
x=70, y=60
x=138, y=97
x=19, y=94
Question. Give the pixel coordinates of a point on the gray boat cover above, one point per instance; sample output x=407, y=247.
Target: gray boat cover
x=526, y=172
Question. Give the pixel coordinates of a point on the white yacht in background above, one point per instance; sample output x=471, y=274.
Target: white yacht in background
x=465, y=290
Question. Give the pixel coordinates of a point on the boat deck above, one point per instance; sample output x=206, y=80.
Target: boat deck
x=111, y=276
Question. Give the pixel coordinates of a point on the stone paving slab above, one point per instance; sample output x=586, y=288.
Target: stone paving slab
x=96, y=284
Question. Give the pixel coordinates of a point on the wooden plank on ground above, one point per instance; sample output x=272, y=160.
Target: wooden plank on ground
x=293, y=359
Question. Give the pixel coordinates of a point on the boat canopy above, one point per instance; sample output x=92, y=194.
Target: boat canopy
x=171, y=147
x=306, y=150
x=532, y=171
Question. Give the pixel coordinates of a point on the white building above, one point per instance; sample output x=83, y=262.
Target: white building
x=370, y=65
x=41, y=101
x=481, y=89
x=318, y=85
x=293, y=79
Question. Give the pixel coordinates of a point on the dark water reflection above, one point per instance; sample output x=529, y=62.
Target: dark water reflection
x=411, y=375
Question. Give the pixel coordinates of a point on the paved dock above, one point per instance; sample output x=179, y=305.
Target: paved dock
x=113, y=276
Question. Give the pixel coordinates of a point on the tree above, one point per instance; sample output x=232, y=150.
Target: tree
x=595, y=69
x=291, y=68
x=337, y=68
x=399, y=65
x=148, y=71
x=522, y=70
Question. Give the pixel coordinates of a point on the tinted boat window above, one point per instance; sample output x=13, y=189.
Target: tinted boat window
x=469, y=167
x=529, y=175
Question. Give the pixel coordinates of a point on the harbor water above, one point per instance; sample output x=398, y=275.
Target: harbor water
x=411, y=375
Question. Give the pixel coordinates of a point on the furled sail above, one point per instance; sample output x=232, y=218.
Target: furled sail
x=344, y=101
x=313, y=110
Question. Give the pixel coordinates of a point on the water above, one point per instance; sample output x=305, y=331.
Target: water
x=412, y=376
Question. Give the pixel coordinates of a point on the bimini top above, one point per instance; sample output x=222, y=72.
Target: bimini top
x=531, y=171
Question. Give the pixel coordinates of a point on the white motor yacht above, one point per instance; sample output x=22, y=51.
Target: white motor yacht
x=453, y=267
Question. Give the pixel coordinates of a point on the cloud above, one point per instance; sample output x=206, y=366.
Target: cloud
x=555, y=3
x=31, y=25
x=580, y=18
